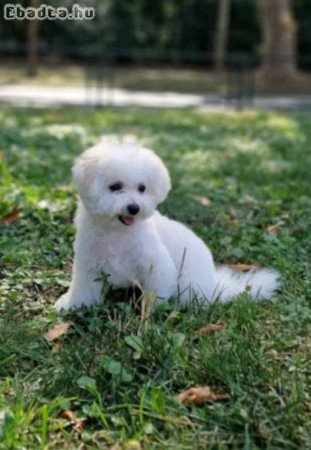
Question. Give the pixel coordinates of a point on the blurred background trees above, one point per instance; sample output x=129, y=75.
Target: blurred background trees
x=279, y=33
x=32, y=42
x=222, y=34
x=273, y=35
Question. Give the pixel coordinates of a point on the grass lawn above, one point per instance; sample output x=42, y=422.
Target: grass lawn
x=234, y=175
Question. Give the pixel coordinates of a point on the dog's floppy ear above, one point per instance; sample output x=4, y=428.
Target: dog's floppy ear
x=84, y=174
x=161, y=181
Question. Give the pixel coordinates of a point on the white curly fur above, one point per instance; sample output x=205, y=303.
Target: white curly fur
x=162, y=255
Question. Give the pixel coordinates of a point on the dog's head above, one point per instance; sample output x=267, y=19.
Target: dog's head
x=121, y=183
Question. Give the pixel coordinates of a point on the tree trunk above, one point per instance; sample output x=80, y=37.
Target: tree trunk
x=278, y=41
x=32, y=43
x=221, y=35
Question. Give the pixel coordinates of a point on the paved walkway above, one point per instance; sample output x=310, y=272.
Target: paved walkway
x=25, y=95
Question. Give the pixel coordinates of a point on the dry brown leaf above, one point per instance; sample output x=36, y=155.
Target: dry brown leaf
x=242, y=267
x=78, y=424
x=57, y=331
x=307, y=405
x=273, y=229
x=211, y=328
x=11, y=216
x=200, y=395
x=70, y=415
x=132, y=445
x=2, y=155
x=204, y=201
x=56, y=348
x=229, y=155
x=273, y=353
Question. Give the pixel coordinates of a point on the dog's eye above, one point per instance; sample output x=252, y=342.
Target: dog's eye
x=115, y=187
x=141, y=188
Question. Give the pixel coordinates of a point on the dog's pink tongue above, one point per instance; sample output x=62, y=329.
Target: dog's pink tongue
x=128, y=220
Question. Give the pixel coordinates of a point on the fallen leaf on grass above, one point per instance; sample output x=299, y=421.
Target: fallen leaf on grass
x=242, y=267
x=307, y=405
x=204, y=201
x=199, y=395
x=56, y=348
x=273, y=229
x=273, y=353
x=78, y=424
x=115, y=447
x=211, y=328
x=132, y=445
x=57, y=331
x=11, y=216
x=229, y=155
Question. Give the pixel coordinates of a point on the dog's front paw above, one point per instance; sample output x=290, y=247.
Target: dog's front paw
x=63, y=303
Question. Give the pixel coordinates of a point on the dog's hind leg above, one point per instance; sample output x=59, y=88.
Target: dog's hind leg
x=161, y=278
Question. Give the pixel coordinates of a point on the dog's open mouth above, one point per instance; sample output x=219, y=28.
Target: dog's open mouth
x=126, y=220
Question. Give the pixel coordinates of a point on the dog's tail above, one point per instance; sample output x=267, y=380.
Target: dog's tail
x=259, y=283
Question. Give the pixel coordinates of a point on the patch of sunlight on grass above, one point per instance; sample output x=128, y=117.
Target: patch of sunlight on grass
x=8, y=121
x=61, y=130
x=243, y=144
x=53, y=206
x=274, y=166
x=193, y=167
x=113, y=138
x=195, y=160
x=284, y=124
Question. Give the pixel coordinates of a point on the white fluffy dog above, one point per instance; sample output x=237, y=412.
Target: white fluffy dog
x=120, y=233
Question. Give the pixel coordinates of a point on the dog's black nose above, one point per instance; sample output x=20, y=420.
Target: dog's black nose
x=133, y=209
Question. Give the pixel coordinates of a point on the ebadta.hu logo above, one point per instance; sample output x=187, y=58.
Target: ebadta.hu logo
x=47, y=12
